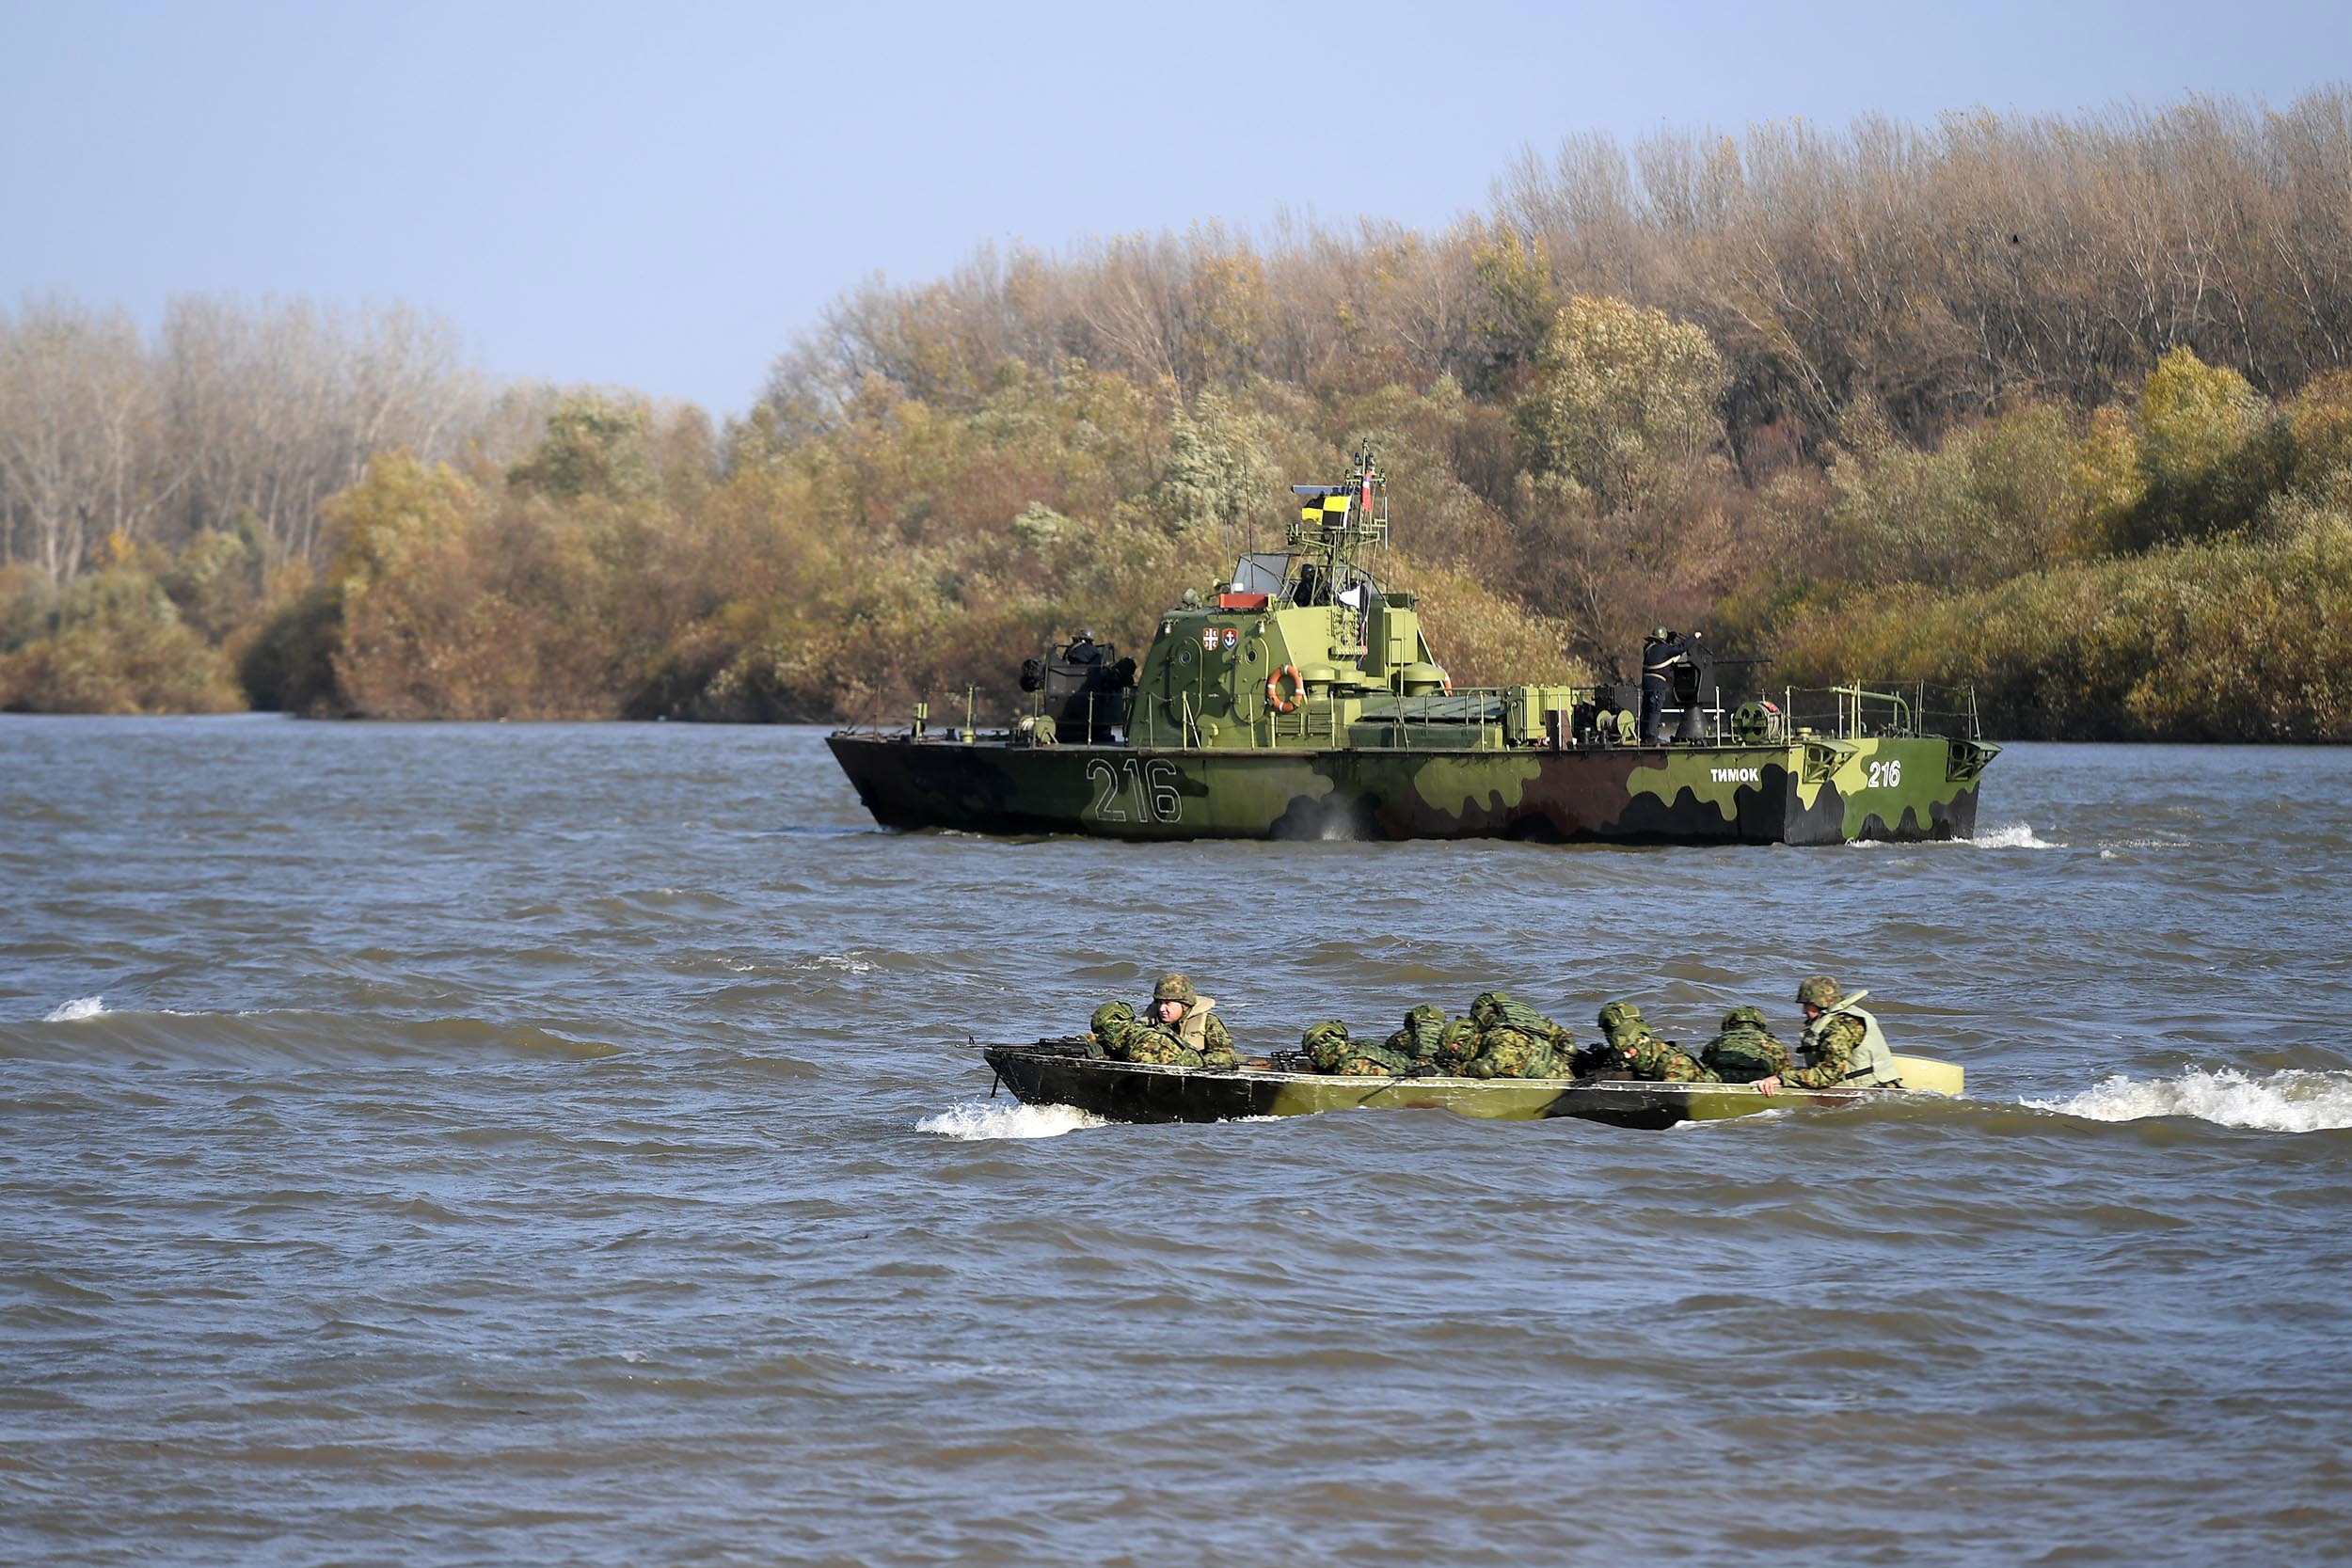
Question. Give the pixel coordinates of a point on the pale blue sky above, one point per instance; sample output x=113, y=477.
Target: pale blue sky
x=662, y=196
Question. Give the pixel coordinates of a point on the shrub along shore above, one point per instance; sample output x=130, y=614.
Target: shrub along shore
x=2057, y=407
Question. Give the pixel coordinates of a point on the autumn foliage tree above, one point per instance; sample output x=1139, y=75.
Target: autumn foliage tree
x=2045, y=403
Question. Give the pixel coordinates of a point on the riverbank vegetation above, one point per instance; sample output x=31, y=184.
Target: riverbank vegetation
x=2059, y=407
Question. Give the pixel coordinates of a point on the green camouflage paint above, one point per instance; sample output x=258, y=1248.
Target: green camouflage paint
x=1893, y=789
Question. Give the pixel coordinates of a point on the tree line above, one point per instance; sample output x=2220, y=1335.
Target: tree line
x=2054, y=404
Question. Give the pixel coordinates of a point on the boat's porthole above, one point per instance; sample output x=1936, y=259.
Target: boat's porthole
x=1184, y=655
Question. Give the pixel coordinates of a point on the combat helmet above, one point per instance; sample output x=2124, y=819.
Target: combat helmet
x=1745, y=1018
x=1175, y=988
x=1819, y=990
x=1110, y=1019
x=1426, y=1013
x=1659, y=634
x=1618, y=1014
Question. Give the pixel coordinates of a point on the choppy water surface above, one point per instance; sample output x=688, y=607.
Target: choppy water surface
x=550, y=1144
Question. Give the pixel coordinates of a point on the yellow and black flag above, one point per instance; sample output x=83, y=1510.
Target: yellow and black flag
x=1323, y=510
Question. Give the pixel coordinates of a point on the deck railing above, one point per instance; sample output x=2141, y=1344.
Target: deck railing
x=1478, y=719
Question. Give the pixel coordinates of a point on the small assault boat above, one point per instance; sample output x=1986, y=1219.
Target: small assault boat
x=1062, y=1072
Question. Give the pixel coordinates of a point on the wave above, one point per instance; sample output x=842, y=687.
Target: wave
x=847, y=963
x=249, y=1038
x=2288, y=1101
x=978, y=1121
x=2017, y=835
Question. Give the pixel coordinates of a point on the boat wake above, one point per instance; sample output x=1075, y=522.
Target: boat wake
x=2288, y=1101
x=77, y=1010
x=978, y=1121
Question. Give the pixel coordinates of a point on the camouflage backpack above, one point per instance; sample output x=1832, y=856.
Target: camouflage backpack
x=1511, y=1039
x=1508, y=1053
x=1457, y=1042
x=1495, y=1010
x=1422, y=1033
x=1744, y=1050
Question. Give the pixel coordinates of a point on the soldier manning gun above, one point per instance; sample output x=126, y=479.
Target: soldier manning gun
x=1085, y=686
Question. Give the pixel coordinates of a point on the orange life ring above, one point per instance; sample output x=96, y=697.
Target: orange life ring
x=1274, y=697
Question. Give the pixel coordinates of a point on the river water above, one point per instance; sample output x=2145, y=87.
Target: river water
x=467, y=1144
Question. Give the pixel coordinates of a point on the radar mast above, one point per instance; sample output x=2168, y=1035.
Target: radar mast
x=1337, y=522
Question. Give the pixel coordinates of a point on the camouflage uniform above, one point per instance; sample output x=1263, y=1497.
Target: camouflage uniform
x=1422, y=1036
x=1512, y=1040
x=1331, y=1048
x=1112, y=1023
x=1634, y=1052
x=1843, y=1046
x=1198, y=1040
x=1743, y=1050
x=1457, y=1042
x=1157, y=1046
x=1430, y=1042
x=1660, y=1061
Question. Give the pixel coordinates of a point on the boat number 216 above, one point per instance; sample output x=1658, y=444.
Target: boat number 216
x=1150, y=787
x=1885, y=774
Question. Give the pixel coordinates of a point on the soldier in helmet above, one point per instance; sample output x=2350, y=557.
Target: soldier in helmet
x=1331, y=1048
x=1843, y=1046
x=1744, y=1050
x=1428, y=1039
x=1633, y=1050
x=1179, y=1029
x=1083, y=649
x=1662, y=652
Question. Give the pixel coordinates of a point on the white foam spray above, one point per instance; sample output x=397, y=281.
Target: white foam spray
x=77, y=1010
x=2288, y=1101
x=2017, y=835
x=978, y=1120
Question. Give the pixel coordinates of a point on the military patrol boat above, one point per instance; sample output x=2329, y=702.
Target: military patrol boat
x=1300, y=699
x=1074, y=1072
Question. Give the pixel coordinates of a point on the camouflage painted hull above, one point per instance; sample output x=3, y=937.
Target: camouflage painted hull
x=1056, y=1072
x=1800, y=792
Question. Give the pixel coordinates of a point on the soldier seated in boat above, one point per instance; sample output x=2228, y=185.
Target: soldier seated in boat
x=1433, y=1042
x=1331, y=1048
x=1180, y=1028
x=1512, y=1040
x=1632, y=1049
x=1744, y=1050
x=1842, y=1044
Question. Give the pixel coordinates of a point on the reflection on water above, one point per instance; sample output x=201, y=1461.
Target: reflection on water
x=563, y=1143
